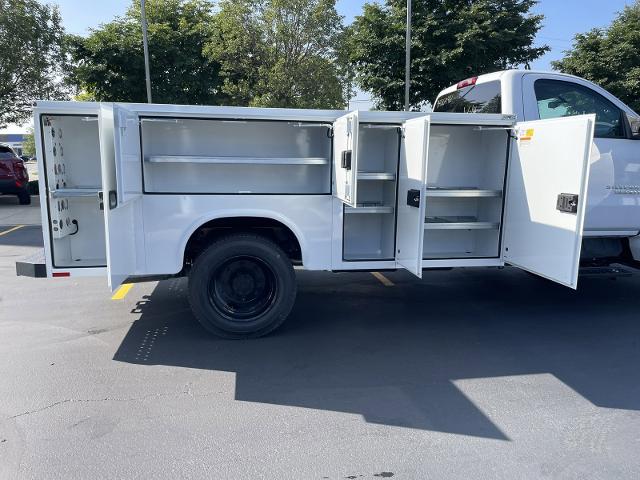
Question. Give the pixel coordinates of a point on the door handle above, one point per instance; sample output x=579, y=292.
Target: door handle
x=413, y=198
x=113, y=199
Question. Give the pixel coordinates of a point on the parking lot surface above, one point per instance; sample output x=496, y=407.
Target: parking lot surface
x=469, y=373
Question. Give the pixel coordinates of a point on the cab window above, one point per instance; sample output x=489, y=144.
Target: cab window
x=557, y=98
x=480, y=98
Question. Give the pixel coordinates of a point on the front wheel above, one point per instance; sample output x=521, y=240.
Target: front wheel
x=242, y=286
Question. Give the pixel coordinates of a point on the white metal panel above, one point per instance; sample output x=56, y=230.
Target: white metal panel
x=119, y=136
x=549, y=157
x=345, y=138
x=412, y=176
x=170, y=220
x=127, y=154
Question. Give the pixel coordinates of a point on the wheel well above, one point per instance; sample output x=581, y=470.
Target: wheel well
x=274, y=230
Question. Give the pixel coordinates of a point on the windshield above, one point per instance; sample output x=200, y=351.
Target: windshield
x=481, y=98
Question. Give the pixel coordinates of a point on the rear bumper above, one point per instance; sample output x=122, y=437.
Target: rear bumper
x=9, y=186
x=32, y=266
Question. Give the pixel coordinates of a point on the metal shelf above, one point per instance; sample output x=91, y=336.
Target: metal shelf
x=76, y=192
x=369, y=209
x=462, y=192
x=461, y=225
x=376, y=176
x=237, y=160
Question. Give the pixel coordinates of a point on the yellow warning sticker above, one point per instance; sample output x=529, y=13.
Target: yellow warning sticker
x=526, y=135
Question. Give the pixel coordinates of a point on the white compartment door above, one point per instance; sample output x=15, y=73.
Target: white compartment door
x=411, y=195
x=122, y=192
x=345, y=158
x=546, y=197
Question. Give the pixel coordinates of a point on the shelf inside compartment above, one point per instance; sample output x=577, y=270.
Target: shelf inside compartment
x=461, y=243
x=241, y=160
x=384, y=176
x=462, y=192
x=458, y=223
x=365, y=208
x=76, y=192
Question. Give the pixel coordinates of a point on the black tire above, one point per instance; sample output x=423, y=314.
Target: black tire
x=24, y=198
x=242, y=286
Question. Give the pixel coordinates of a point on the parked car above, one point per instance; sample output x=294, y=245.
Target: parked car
x=14, y=178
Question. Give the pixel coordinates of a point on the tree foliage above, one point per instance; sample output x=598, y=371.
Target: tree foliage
x=32, y=57
x=281, y=53
x=109, y=63
x=29, y=143
x=451, y=40
x=610, y=57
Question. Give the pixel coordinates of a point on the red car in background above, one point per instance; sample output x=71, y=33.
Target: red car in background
x=14, y=178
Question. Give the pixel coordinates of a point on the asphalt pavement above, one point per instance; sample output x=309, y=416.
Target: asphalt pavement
x=466, y=374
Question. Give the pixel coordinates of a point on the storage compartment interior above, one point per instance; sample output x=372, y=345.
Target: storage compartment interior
x=73, y=173
x=227, y=156
x=369, y=228
x=464, y=200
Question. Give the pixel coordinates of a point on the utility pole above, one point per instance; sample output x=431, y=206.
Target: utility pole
x=145, y=44
x=407, y=60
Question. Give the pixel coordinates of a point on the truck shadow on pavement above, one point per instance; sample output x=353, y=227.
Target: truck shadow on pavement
x=396, y=354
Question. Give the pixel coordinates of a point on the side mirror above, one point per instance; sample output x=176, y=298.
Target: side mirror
x=634, y=123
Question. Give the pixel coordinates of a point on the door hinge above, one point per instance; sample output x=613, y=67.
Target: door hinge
x=567, y=203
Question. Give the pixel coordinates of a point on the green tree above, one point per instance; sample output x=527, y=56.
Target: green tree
x=281, y=53
x=609, y=57
x=451, y=40
x=32, y=57
x=29, y=144
x=109, y=63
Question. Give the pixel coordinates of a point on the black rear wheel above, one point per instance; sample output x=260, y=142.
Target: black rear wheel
x=242, y=286
x=24, y=198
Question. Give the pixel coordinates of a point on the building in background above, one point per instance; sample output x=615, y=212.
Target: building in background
x=13, y=135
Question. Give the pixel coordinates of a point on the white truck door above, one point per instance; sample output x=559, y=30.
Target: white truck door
x=411, y=194
x=546, y=197
x=122, y=191
x=345, y=158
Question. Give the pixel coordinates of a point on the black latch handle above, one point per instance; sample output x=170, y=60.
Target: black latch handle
x=567, y=203
x=413, y=198
x=346, y=159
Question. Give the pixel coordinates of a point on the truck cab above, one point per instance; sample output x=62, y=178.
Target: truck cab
x=612, y=219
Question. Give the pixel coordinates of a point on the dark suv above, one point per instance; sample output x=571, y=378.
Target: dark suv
x=14, y=178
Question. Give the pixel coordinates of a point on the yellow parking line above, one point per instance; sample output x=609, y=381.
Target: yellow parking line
x=11, y=230
x=383, y=280
x=122, y=291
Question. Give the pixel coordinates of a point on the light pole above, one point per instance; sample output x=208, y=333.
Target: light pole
x=145, y=44
x=407, y=60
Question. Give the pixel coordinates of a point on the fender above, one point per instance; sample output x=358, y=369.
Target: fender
x=260, y=213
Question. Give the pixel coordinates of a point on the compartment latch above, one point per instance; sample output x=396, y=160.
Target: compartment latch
x=567, y=203
x=413, y=198
x=346, y=159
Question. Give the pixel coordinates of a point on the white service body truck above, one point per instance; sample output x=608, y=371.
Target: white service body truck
x=236, y=197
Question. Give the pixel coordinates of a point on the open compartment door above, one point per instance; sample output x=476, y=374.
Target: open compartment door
x=345, y=158
x=122, y=191
x=546, y=197
x=411, y=195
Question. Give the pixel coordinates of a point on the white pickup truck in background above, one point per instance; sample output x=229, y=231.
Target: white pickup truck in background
x=612, y=222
